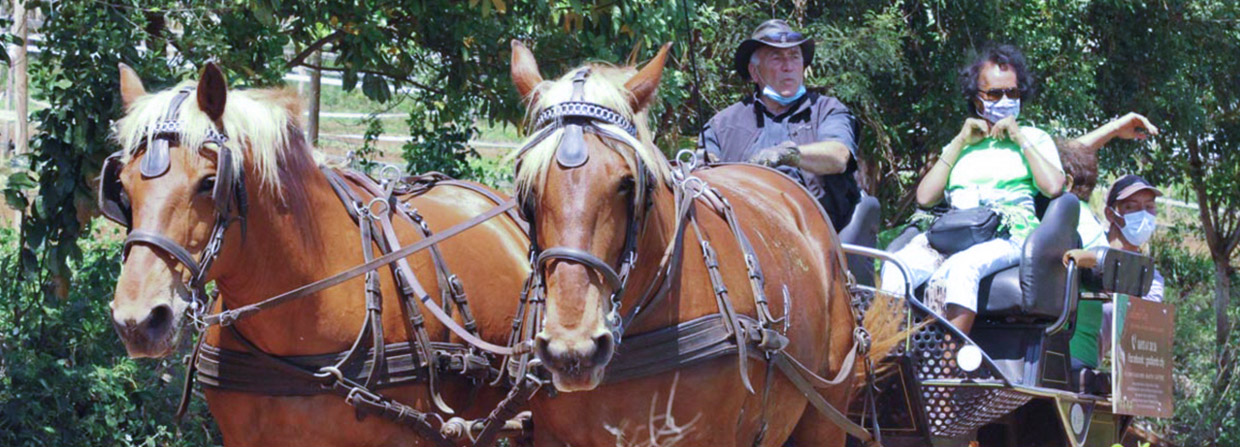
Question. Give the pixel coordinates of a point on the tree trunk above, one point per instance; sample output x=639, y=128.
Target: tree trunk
x=1222, y=302
x=316, y=85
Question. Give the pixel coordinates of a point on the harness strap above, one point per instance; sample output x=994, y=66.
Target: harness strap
x=163, y=243
x=229, y=317
x=356, y=395
x=582, y=257
x=820, y=403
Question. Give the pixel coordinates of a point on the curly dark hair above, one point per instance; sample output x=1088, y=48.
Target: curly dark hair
x=1080, y=163
x=999, y=55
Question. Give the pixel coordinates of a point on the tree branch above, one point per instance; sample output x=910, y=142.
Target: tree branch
x=301, y=57
x=377, y=73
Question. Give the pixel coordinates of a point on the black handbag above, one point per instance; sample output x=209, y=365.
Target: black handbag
x=960, y=229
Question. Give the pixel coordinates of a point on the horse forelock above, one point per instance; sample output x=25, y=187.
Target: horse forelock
x=263, y=128
x=605, y=87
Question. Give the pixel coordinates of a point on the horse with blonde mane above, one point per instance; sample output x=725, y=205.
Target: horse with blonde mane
x=221, y=186
x=652, y=340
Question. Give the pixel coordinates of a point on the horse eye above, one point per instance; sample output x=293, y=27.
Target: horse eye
x=626, y=185
x=207, y=185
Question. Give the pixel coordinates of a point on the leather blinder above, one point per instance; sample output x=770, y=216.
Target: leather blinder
x=112, y=201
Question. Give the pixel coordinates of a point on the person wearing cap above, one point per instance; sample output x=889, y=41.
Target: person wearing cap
x=803, y=134
x=1080, y=162
x=993, y=162
x=1131, y=212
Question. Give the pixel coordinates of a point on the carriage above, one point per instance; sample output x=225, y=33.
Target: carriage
x=937, y=386
x=1008, y=382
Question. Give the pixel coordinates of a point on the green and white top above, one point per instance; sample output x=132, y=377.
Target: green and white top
x=995, y=173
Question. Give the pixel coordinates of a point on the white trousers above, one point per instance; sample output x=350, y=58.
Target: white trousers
x=954, y=279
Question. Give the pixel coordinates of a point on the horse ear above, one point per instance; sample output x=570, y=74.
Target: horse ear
x=131, y=85
x=524, y=69
x=646, y=82
x=212, y=92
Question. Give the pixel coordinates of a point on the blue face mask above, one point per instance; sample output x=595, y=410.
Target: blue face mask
x=995, y=111
x=1138, y=226
x=783, y=100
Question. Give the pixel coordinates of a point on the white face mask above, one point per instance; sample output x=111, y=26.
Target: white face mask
x=995, y=111
x=1138, y=226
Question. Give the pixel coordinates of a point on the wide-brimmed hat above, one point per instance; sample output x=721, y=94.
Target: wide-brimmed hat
x=1128, y=185
x=773, y=33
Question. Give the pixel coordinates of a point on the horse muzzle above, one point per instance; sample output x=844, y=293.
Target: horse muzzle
x=577, y=363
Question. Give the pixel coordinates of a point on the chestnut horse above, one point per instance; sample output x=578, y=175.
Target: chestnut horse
x=591, y=208
x=295, y=231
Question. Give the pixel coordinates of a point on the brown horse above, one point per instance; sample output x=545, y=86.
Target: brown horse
x=296, y=231
x=584, y=202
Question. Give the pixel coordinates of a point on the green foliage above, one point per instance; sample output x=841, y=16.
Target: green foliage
x=445, y=63
x=440, y=145
x=1205, y=405
x=64, y=376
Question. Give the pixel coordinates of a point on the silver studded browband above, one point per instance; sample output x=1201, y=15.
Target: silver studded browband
x=172, y=128
x=580, y=109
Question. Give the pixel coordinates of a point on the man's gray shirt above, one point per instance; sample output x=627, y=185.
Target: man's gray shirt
x=835, y=125
x=743, y=129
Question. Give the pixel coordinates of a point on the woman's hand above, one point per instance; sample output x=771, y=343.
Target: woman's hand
x=1007, y=129
x=930, y=190
x=974, y=130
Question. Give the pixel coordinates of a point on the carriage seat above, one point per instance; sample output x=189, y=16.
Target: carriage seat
x=862, y=230
x=1034, y=290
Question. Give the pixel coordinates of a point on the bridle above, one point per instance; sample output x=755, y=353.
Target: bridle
x=575, y=117
x=114, y=202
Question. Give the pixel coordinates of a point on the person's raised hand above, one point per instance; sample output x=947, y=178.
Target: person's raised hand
x=1007, y=129
x=1133, y=126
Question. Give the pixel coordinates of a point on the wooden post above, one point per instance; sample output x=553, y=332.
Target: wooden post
x=21, y=135
x=316, y=80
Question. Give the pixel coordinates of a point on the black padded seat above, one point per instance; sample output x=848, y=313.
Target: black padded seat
x=862, y=230
x=999, y=294
x=1034, y=290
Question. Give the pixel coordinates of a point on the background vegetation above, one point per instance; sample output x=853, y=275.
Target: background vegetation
x=443, y=65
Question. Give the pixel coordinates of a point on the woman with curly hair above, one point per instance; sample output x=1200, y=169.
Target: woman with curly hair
x=993, y=162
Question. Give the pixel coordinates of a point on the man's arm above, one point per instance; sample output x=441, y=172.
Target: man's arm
x=825, y=157
x=1128, y=127
x=835, y=145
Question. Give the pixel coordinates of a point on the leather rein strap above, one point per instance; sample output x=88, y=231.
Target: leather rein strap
x=228, y=317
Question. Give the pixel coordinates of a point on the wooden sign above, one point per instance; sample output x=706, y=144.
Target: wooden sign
x=1141, y=352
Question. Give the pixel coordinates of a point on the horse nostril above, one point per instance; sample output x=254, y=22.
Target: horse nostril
x=542, y=348
x=604, y=346
x=159, y=320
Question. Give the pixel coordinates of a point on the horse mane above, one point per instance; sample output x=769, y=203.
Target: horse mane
x=605, y=87
x=262, y=125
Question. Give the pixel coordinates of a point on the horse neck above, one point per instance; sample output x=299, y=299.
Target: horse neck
x=284, y=249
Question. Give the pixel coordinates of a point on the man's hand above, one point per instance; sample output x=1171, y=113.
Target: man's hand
x=1133, y=126
x=782, y=154
x=1007, y=129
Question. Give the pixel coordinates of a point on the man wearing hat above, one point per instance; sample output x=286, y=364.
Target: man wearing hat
x=805, y=135
x=1130, y=213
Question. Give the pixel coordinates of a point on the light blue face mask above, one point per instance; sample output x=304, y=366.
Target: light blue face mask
x=783, y=100
x=1138, y=226
x=995, y=111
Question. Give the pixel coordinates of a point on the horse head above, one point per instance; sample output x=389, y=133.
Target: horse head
x=586, y=178
x=178, y=187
